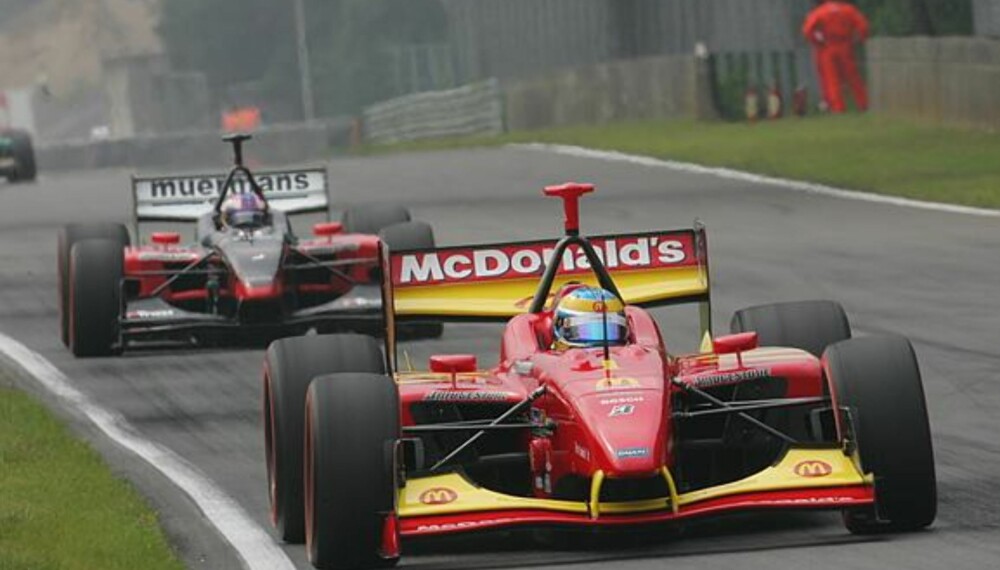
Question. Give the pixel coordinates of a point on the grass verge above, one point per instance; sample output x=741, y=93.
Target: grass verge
x=60, y=506
x=861, y=152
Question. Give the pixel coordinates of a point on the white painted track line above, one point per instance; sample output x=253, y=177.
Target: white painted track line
x=254, y=545
x=731, y=174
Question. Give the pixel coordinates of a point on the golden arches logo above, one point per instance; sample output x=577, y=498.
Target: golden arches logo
x=438, y=496
x=613, y=383
x=812, y=468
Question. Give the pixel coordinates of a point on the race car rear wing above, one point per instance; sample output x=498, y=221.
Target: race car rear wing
x=498, y=281
x=187, y=197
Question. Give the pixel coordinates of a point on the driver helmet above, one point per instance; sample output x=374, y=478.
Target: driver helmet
x=585, y=316
x=244, y=211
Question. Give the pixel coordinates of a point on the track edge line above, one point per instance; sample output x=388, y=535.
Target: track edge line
x=254, y=546
x=733, y=174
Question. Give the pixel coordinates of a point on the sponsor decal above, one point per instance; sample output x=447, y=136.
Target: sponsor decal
x=582, y=451
x=325, y=248
x=167, y=256
x=622, y=400
x=808, y=501
x=356, y=302
x=537, y=416
x=812, y=468
x=653, y=251
x=438, y=496
x=207, y=187
x=144, y=314
x=466, y=396
x=444, y=527
x=622, y=410
x=524, y=367
x=729, y=378
x=614, y=383
x=632, y=452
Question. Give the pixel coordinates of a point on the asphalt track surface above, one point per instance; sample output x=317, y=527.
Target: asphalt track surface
x=931, y=276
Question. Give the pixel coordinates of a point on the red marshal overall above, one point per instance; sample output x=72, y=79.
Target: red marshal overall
x=833, y=28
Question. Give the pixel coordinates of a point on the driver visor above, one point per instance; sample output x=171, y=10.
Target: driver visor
x=591, y=328
x=244, y=219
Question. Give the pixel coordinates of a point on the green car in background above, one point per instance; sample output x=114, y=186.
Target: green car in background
x=17, y=156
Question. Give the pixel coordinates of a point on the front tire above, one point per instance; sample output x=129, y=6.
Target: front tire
x=289, y=366
x=352, y=426
x=95, y=276
x=806, y=325
x=879, y=399
x=369, y=219
x=69, y=235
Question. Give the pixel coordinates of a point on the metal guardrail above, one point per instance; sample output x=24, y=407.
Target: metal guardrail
x=475, y=109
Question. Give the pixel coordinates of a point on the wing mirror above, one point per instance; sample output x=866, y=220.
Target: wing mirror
x=735, y=344
x=453, y=363
x=165, y=238
x=326, y=229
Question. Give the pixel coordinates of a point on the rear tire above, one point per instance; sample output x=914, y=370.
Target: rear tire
x=877, y=380
x=807, y=325
x=352, y=426
x=371, y=218
x=69, y=235
x=289, y=366
x=407, y=236
x=25, y=169
x=95, y=274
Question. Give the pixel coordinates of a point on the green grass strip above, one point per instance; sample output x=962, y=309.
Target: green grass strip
x=860, y=152
x=61, y=507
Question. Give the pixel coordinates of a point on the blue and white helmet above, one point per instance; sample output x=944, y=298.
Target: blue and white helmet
x=586, y=316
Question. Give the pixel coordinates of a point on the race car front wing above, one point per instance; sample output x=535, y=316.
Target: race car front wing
x=805, y=477
x=152, y=317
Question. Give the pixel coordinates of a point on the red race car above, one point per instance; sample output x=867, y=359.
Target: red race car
x=588, y=420
x=248, y=276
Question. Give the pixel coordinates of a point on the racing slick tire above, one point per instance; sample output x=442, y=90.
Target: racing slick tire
x=876, y=388
x=369, y=219
x=807, y=325
x=23, y=150
x=289, y=366
x=412, y=235
x=69, y=235
x=95, y=274
x=352, y=426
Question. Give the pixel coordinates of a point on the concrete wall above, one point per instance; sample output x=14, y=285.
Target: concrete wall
x=274, y=146
x=646, y=88
x=517, y=38
x=512, y=38
x=943, y=80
